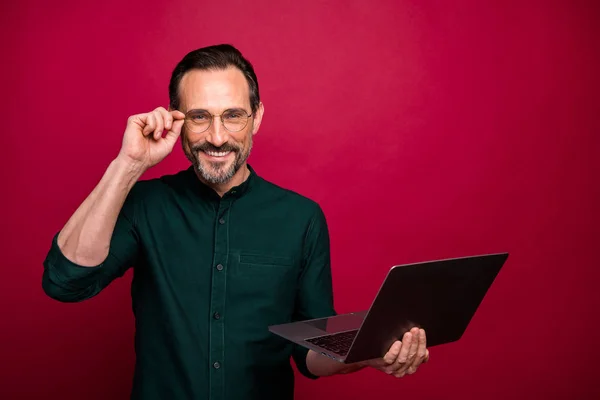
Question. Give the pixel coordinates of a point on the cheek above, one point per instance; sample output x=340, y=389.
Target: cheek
x=242, y=139
x=190, y=140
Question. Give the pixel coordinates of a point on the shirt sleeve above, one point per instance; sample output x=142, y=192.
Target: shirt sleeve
x=315, y=292
x=66, y=281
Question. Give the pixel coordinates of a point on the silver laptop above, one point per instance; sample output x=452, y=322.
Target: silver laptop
x=439, y=296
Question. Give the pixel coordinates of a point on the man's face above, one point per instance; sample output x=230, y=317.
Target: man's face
x=217, y=154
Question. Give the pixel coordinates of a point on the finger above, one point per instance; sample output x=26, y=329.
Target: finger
x=150, y=124
x=414, y=345
x=176, y=114
x=422, y=351
x=167, y=118
x=400, y=373
x=177, y=127
x=392, y=353
x=137, y=119
x=174, y=133
x=420, y=355
x=406, y=343
x=160, y=125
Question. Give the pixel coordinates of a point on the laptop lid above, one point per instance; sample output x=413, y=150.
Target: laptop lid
x=439, y=296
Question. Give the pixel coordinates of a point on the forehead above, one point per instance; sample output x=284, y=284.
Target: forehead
x=214, y=91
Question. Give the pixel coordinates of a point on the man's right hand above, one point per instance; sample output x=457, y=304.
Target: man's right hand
x=143, y=143
x=85, y=239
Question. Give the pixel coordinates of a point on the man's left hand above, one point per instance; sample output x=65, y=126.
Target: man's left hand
x=404, y=357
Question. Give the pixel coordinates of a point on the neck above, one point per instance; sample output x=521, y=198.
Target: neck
x=221, y=188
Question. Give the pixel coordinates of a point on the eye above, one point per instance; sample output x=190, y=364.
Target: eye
x=199, y=117
x=234, y=115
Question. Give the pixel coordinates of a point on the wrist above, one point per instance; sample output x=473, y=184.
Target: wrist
x=128, y=170
x=129, y=167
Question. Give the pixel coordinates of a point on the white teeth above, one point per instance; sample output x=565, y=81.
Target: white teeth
x=219, y=154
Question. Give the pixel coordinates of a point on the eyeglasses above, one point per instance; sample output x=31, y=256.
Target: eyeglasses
x=233, y=120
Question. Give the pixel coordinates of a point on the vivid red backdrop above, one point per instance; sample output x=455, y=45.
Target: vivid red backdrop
x=426, y=129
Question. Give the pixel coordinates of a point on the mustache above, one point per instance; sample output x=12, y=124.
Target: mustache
x=210, y=147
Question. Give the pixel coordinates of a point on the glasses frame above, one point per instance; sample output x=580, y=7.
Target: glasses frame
x=187, y=119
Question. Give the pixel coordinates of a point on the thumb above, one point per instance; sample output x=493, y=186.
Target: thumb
x=174, y=132
x=374, y=363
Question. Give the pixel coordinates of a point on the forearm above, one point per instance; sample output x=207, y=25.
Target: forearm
x=320, y=365
x=85, y=238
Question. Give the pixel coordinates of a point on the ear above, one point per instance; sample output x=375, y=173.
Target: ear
x=257, y=119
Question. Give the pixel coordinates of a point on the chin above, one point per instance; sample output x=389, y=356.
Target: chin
x=216, y=173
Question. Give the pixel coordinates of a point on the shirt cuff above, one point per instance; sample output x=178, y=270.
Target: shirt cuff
x=65, y=280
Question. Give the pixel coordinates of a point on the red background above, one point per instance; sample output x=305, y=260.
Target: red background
x=425, y=129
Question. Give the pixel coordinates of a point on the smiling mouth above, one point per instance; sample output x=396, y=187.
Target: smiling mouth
x=217, y=153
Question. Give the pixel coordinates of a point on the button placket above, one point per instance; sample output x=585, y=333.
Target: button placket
x=217, y=302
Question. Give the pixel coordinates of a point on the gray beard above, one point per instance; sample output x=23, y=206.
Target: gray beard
x=216, y=173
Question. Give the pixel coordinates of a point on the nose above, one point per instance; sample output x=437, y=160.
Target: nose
x=217, y=134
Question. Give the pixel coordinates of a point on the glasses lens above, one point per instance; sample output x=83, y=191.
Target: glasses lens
x=235, y=120
x=198, y=121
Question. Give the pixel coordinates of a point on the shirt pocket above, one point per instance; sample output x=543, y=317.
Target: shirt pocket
x=274, y=269
x=266, y=260
x=265, y=283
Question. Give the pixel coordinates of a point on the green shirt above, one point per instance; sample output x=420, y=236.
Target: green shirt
x=210, y=275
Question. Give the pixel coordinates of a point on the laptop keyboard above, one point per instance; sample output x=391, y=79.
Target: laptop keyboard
x=338, y=343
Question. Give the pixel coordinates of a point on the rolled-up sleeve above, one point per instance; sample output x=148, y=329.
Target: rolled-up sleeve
x=315, y=292
x=66, y=281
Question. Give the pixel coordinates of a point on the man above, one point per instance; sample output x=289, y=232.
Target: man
x=219, y=254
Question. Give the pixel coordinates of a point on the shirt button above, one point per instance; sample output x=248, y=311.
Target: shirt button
x=217, y=365
x=217, y=315
x=220, y=267
x=221, y=221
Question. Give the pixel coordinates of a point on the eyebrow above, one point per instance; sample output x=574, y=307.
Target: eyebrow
x=228, y=109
